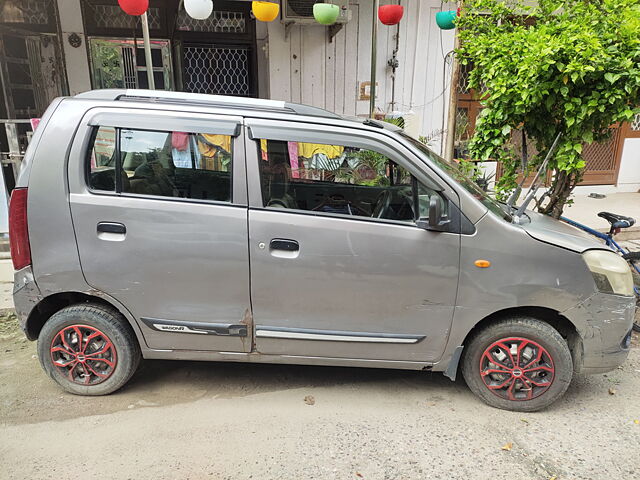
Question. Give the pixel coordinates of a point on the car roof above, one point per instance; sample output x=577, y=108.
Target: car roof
x=246, y=104
x=201, y=99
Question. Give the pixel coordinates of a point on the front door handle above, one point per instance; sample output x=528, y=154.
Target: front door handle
x=284, y=245
x=112, y=227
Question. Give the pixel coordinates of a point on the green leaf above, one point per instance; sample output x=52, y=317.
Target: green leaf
x=611, y=77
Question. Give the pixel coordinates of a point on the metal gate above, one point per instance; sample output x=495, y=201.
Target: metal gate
x=217, y=69
x=602, y=161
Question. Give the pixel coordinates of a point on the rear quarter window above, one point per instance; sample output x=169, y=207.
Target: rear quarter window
x=102, y=160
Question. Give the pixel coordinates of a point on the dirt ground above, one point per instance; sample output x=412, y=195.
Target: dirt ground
x=189, y=420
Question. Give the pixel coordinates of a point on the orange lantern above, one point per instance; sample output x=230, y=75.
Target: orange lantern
x=265, y=11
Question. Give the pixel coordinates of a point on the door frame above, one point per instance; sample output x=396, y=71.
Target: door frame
x=416, y=346
x=147, y=117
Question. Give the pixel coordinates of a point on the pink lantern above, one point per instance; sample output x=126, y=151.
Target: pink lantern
x=390, y=14
x=134, y=7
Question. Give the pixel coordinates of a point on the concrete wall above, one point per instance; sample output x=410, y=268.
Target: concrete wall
x=629, y=175
x=307, y=67
x=76, y=59
x=262, y=52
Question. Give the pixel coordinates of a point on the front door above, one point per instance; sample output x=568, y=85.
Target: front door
x=339, y=268
x=159, y=210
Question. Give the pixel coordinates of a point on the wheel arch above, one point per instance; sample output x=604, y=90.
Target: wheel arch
x=562, y=324
x=57, y=301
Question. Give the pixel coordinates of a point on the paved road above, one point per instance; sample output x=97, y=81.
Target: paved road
x=232, y=421
x=585, y=209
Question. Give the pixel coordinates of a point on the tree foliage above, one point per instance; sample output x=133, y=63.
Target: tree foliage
x=563, y=66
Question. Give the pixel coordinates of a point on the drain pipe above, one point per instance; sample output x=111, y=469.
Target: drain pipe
x=393, y=63
x=374, y=45
x=453, y=103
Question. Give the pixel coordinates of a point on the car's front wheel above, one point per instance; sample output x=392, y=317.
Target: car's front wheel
x=88, y=349
x=520, y=364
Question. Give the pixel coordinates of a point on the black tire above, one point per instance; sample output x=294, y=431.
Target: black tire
x=536, y=336
x=108, y=359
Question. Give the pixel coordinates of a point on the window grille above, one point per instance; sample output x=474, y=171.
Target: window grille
x=217, y=69
x=218, y=22
x=112, y=16
x=33, y=12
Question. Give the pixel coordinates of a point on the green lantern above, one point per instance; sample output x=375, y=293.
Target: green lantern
x=326, y=13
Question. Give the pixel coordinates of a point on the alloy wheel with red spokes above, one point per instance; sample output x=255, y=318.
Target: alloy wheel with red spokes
x=83, y=354
x=516, y=368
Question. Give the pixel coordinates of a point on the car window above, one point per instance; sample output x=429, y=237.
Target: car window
x=338, y=179
x=462, y=179
x=171, y=164
x=102, y=158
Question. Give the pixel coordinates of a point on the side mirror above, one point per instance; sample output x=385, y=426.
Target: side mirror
x=436, y=220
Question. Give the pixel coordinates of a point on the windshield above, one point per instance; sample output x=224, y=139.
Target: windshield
x=468, y=184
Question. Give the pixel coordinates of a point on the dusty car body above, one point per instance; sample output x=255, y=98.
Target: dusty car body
x=282, y=233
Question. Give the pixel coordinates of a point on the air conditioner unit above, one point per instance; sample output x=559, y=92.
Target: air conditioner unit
x=301, y=11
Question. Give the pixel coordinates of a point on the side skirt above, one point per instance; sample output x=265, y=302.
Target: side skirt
x=198, y=355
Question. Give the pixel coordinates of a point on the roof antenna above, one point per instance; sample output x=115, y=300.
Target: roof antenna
x=534, y=184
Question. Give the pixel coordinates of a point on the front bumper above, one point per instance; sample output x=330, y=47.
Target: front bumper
x=604, y=324
x=26, y=295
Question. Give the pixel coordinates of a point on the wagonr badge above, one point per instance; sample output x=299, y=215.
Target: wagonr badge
x=164, y=225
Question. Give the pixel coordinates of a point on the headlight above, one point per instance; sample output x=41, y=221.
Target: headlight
x=610, y=272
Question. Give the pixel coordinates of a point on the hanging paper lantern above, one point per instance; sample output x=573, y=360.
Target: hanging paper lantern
x=390, y=14
x=134, y=7
x=198, y=9
x=265, y=11
x=446, y=20
x=326, y=13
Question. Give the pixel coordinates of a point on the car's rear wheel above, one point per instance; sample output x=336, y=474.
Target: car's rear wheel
x=88, y=349
x=519, y=364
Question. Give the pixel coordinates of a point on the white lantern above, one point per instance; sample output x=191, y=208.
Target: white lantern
x=198, y=9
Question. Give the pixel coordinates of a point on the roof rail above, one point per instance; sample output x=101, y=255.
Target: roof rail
x=163, y=96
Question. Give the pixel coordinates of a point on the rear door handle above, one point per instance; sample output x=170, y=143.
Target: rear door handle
x=111, y=227
x=284, y=244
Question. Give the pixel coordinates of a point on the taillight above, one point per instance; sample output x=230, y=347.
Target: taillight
x=18, y=229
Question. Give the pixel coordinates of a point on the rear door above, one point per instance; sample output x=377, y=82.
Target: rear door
x=159, y=207
x=339, y=267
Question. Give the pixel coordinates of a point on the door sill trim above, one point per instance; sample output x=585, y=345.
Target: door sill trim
x=334, y=335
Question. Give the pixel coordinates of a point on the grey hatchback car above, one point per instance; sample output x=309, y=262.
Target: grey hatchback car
x=165, y=225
